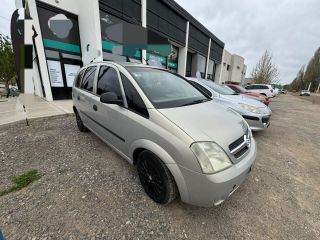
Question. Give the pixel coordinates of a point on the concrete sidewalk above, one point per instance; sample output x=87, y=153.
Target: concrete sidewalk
x=11, y=109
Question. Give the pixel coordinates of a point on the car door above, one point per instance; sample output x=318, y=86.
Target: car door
x=83, y=96
x=110, y=120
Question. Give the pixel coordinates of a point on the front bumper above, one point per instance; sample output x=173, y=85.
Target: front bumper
x=257, y=122
x=211, y=190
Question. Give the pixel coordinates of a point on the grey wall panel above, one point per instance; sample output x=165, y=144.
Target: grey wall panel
x=130, y=10
x=198, y=40
x=163, y=19
x=216, y=53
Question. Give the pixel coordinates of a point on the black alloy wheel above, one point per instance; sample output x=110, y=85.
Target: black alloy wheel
x=156, y=178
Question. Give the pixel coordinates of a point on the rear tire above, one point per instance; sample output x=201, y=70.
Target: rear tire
x=155, y=178
x=81, y=126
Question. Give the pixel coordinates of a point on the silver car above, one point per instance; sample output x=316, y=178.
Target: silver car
x=254, y=112
x=182, y=142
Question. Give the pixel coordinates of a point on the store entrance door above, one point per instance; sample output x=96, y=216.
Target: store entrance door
x=62, y=74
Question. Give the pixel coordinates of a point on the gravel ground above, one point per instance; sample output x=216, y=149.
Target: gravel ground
x=88, y=192
x=314, y=98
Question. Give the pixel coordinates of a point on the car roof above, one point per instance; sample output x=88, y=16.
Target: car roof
x=124, y=64
x=261, y=84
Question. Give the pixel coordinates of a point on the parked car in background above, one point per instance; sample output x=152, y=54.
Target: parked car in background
x=264, y=89
x=305, y=93
x=257, y=96
x=181, y=141
x=254, y=112
x=283, y=91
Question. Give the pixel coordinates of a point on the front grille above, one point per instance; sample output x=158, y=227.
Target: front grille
x=241, y=152
x=266, y=119
x=250, y=117
x=236, y=143
x=239, y=147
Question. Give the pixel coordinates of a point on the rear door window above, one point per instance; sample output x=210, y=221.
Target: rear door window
x=88, y=79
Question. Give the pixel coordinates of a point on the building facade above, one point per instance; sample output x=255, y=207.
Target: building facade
x=231, y=70
x=67, y=34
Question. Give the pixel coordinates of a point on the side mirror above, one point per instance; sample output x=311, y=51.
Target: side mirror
x=111, y=98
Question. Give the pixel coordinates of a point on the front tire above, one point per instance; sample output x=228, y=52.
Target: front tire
x=81, y=126
x=155, y=178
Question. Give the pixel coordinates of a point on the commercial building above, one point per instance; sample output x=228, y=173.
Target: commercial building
x=231, y=70
x=67, y=34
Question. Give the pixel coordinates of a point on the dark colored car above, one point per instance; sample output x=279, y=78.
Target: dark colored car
x=242, y=90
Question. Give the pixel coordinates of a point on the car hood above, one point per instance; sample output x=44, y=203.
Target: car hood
x=208, y=121
x=234, y=100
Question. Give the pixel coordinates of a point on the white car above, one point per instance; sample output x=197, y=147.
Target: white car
x=256, y=113
x=264, y=89
x=305, y=93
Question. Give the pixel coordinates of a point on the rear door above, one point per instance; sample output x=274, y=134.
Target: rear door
x=83, y=97
x=110, y=120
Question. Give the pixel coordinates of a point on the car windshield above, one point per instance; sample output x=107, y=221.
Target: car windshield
x=166, y=90
x=219, y=88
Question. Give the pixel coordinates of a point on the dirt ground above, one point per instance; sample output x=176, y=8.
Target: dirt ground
x=88, y=192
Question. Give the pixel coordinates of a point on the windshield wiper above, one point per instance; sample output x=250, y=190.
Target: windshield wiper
x=196, y=102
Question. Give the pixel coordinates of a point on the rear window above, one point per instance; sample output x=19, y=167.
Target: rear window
x=201, y=88
x=88, y=79
x=79, y=77
x=261, y=87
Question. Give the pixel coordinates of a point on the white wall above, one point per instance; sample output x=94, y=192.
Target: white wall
x=237, y=65
x=89, y=28
x=90, y=33
x=71, y=6
x=41, y=54
x=183, y=52
x=236, y=72
x=29, y=87
x=222, y=74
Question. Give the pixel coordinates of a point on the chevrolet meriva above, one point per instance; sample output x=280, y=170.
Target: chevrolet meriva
x=180, y=140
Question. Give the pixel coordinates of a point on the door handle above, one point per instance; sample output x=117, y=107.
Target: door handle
x=78, y=98
x=95, y=107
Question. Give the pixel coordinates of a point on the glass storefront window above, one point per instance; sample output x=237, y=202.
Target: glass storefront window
x=173, y=59
x=111, y=37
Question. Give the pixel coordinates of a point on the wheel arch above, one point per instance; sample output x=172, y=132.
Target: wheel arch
x=143, y=144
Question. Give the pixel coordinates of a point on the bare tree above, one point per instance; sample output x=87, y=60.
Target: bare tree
x=265, y=71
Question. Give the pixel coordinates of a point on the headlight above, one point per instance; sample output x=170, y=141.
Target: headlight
x=250, y=108
x=211, y=157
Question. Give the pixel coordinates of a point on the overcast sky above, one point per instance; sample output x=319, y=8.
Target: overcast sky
x=289, y=29
x=6, y=10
